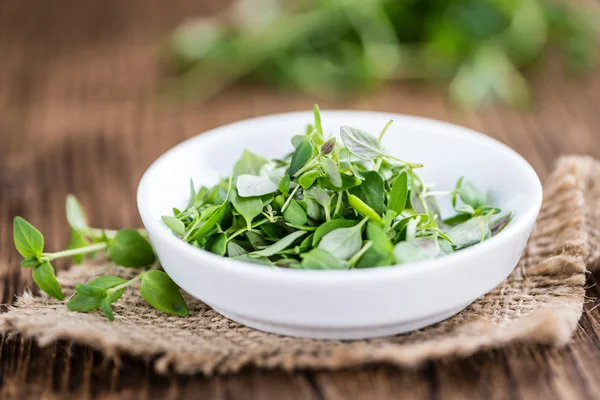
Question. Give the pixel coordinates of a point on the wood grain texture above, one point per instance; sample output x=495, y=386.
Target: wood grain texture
x=80, y=114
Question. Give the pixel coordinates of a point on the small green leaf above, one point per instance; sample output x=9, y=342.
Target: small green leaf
x=371, y=191
x=174, y=224
x=295, y=214
x=284, y=184
x=409, y=252
x=373, y=258
x=471, y=195
x=278, y=202
x=348, y=182
x=217, y=244
x=273, y=231
x=320, y=259
x=256, y=240
x=301, y=155
x=130, y=249
x=297, y=139
x=381, y=243
x=308, y=178
x=234, y=250
x=76, y=215
x=360, y=143
x=399, y=194
x=82, y=303
x=430, y=244
x=248, y=208
x=163, y=294
x=30, y=262
x=215, y=219
x=327, y=227
x=343, y=243
x=317, y=115
x=107, y=308
x=313, y=208
x=324, y=200
x=306, y=243
x=364, y=209
x=28, y=240
x=249, y=163
x=90, y=290
x=282, y=244
x=457, y=219
x=332, y=172
x=469, y=233
x=192, y=198
x=44, y=278
x=253, y=185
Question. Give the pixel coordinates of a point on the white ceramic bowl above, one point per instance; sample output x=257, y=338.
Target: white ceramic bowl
x=352, y=304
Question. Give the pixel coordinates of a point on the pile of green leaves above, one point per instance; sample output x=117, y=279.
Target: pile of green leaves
x=125, y=247
x=328, y=206
x=335, y=48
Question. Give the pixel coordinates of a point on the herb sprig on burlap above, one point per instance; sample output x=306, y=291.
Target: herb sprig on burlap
x=125, y=247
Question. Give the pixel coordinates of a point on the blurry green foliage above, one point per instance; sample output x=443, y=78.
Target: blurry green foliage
x=337, y=48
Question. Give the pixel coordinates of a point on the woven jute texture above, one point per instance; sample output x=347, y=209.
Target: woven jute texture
x=541, y=301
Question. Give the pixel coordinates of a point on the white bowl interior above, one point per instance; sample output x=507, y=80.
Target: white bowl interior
x=447, y=152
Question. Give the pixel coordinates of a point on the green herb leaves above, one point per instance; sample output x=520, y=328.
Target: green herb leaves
x=130, y=249
x=163, y=294
x=28, y=240
x=248, y=208
x=371, y=191
x=174, y=224
x=343, y=243
x=249, y=163
x=301, y=155
x=126, y=247
x=360, y=143
x=399, y=194
x=89, y=296
x=252, y=185
x=75, y=215
x=44, y=278
x=309, y=209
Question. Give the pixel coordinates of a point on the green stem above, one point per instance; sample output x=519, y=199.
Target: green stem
x=131, y=281
x=354, y=259
x=409, y=164
x=73, y=252
x=385, y=128
x=289, y=199
x=338, y=205
x=308, y=165
x=245, y=229
x=193, y=227
x=361, y=223
x=438, y=193
x=110, y=233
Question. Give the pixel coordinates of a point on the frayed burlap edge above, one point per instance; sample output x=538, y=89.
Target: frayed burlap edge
x=541, y=302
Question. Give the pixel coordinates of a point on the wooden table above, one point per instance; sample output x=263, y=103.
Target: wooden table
x=78, y=113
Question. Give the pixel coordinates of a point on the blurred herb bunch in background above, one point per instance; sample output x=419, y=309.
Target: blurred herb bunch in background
x=338, y=48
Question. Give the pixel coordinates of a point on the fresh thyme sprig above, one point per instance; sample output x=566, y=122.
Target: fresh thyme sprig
x=125, y=247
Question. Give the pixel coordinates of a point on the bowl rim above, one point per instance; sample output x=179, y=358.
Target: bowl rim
x=364, y=274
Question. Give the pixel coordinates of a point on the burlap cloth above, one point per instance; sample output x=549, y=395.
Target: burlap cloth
x=541, y=301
